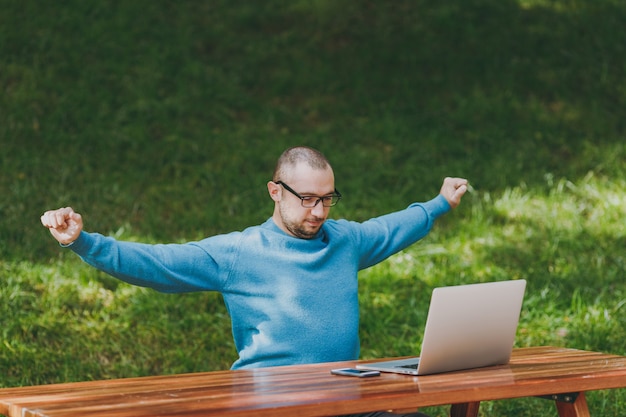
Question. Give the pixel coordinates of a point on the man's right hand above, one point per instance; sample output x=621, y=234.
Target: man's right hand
x=65, y=224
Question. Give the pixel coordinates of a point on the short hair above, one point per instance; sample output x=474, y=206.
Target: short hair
x=292, y=156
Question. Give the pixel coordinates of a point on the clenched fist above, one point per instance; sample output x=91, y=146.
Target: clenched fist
x=65, y=224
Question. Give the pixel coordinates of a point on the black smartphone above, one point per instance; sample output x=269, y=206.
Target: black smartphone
x=354, y=372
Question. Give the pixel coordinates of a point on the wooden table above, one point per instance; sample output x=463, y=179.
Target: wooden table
x=310, y=390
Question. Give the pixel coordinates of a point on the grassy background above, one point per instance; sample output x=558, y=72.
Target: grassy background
x=161, y=121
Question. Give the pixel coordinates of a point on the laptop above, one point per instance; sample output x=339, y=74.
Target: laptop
x=468, y=326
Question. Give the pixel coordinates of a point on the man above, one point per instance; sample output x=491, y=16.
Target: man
x=290, y=284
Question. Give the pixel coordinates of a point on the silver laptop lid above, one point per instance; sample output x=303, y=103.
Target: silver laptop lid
x=471, y=326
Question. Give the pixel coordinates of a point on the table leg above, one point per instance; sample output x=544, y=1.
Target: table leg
x=465, y=409
x=577, y=408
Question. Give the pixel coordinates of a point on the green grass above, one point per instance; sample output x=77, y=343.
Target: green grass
x=160, y=121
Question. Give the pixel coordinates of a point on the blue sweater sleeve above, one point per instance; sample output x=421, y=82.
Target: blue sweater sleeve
x=166, y=268
x=383, y=236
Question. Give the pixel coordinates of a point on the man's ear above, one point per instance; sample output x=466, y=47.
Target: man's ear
x=274, y=190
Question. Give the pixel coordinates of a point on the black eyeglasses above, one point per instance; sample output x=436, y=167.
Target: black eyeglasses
x=310, y=201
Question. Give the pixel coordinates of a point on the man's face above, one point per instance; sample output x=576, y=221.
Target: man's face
x=289, y=214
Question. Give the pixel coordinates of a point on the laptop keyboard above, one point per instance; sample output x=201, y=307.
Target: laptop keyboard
x=409, y=366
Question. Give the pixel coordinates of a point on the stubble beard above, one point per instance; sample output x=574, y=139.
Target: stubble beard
x=299, y=229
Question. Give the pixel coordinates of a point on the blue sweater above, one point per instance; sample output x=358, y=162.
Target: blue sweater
x=291, y=300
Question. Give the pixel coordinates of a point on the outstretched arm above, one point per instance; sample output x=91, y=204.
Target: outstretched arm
x=167, y=268
x=453, y=189
x=65, y=224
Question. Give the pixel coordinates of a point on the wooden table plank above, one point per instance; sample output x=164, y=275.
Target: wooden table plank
x=310, y=390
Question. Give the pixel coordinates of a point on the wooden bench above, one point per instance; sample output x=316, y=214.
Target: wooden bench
x=562, y=375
